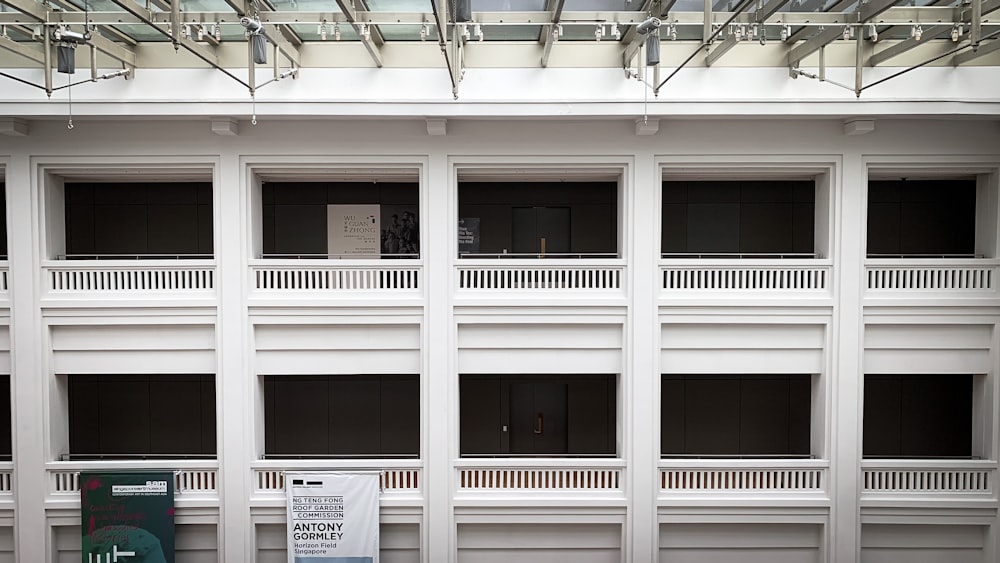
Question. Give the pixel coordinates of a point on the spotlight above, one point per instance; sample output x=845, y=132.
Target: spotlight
x=66, y=35
x=479, y=33
x=465, y=33
x=847, y=32
x=258, y=42
x=201, y=33
x=336, y=31
x=873, y=32
x=917, y=32
x=423, y=32
x=784, y=33
x=648, y=26
x=615, y=31
x=956, y=32
x=599, y=32
x=217, y=32
x=366, y=31
x=322, y=31
x=251, y=25
x=672, y=31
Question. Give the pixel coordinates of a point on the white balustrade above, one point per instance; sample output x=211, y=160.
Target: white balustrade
x=540, y=275
x=6, y=472
x=191, y=479
x=914, y=276
x=560, y=476
x=94, y=277
x=909, y=477
x=742, y=476
x=746, y=276
x=4, y=276
x=340, y=276
x=394, y=479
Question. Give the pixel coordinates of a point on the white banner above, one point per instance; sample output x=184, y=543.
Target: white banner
x=353, y=231
x=332, y=517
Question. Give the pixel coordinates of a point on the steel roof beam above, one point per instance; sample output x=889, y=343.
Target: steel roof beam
x=102, y=44
x=985, y=48
x=25, y=50
x=835, y=9
x=904, y=46
x=821, y=39
x=555, y=8
x=374, y=43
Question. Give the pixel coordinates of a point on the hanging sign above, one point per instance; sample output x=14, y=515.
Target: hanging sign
x=127, y=517
x=353, y=231
x=332, y=517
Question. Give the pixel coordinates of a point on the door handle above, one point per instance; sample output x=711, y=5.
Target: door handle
x=539, y=423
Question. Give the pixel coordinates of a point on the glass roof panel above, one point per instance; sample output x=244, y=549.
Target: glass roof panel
x=405, y=6
x=509, y=6
x=602, y=5
x=305, y=6
x=512, y=32
x=588, y=32
x=405, y=32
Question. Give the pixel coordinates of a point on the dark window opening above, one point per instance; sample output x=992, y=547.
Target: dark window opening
x=6, y=424
x=139, y=221
x=3, y=221
x=538, y=219
x=295, y=217
x=537, y=415
x=341, y=416
x=921, y=218
x=918, y=416
x=735, y=415
x=141, y=416
x=738, y=219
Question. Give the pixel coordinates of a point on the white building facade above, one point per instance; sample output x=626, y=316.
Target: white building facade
x=756, y=318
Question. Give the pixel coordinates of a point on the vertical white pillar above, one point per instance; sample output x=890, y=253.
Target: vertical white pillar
x=440, y=405
x=848, y=350
x=28, y=374
x=642, y=368
x=233, y=382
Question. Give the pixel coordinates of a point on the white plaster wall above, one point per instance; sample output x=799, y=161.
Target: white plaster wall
x=741, y=543
x=923, y=543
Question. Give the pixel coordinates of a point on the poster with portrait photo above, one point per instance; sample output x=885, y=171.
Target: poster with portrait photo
x=400, y=231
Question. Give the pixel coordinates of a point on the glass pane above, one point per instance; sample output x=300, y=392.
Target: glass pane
x=311, y=32
x=508, y=6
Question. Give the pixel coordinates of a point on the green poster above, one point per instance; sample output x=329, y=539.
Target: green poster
x=127, y=517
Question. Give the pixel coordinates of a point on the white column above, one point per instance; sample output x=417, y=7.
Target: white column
x=440, y=387
x=642, y=368
x=848, y=351
x=233, y=382
x=28, y=374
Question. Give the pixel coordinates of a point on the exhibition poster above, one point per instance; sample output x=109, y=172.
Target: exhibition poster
x=333, y=517
x=353, y=231
x=127, y=517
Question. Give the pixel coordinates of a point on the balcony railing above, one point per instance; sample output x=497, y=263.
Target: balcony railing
x=399, y=479
x=187, y=277
x=194, y=480
x=915, y=276
x=541, y=275
x=784, y=277
x=579, y=477
x=303, y=276
x=927, y=478
x=708, y=477
x=6, y=483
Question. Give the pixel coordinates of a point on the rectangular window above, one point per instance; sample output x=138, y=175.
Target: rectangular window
x=341, y=415
x=738, y=218
x=536, y=415
x=138, y=416
x=538, y=219
x=295, y=217
x=918, y=416
x=735, y=415
x=921, y=218
x=130, y=220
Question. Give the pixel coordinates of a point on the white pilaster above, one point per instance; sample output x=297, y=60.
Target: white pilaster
x=29, y=377
x=848, y=350
x=440, y=435
x=233, y=382
x=642, y=370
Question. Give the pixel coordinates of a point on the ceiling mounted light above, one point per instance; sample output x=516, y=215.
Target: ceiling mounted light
x=322, y=31
x=336, y=31
x=648, y=26
x=917, y=32
x=479, y=33
x=672, y=31
x=217, y=32
x=201, y=33
x=423, y=32
x=366, y=31
x=617, y=33
x=847, y=33
x=873, y=32
x=956, y=32
x=785, y=32
x=258, y=42
x=599, y=32
x=465, y=33
x=66, y=48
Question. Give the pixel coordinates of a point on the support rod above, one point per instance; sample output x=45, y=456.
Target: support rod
x=443, y=43
x=743, y=5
